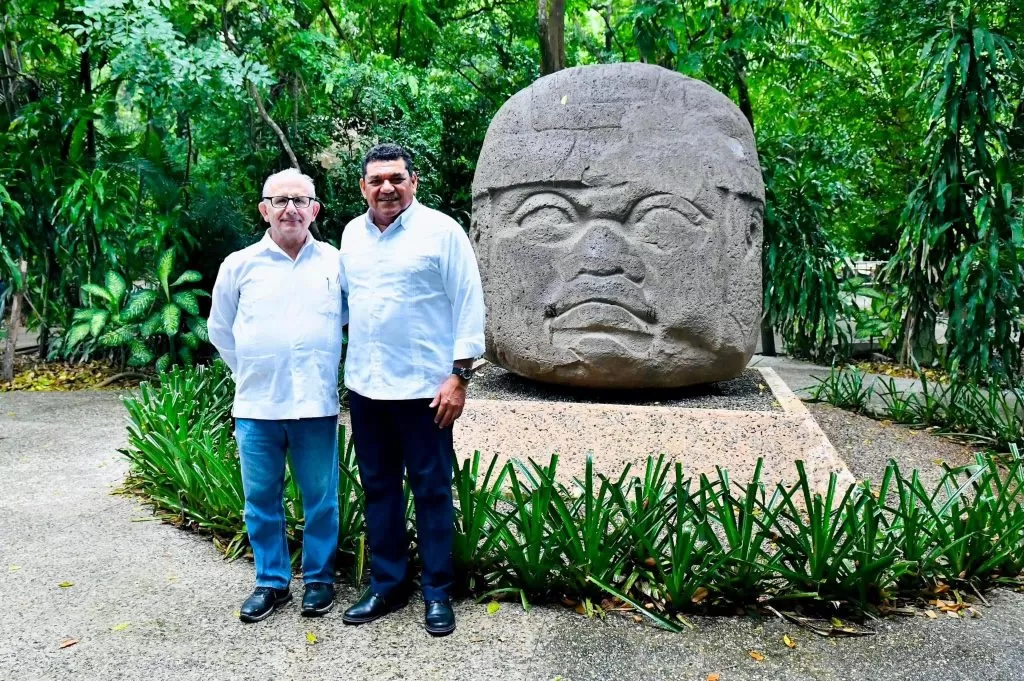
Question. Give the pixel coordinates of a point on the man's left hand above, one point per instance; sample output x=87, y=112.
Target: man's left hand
x=450, y=400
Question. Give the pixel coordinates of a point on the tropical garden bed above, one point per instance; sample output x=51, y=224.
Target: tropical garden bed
x=654, y=543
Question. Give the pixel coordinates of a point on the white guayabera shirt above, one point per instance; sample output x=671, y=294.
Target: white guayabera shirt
x=277, y=324
x=413, y=302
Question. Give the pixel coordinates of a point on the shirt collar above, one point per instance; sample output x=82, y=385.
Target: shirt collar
x=400, y=221
x=268, y=244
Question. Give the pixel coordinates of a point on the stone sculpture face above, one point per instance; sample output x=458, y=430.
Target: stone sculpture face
x=617, y=213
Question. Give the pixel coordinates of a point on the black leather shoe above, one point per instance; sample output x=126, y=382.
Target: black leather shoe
x=318, y=599
x=263, y=601
x=440, y=618
x=372, y=606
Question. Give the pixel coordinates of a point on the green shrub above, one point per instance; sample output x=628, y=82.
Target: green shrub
x=158, y=323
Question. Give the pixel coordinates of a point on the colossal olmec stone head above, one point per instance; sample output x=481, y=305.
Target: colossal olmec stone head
x=617, y=212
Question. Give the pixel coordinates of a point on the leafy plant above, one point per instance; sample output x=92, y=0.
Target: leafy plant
x=144, y=322
x=960, y=248
x=843, y=388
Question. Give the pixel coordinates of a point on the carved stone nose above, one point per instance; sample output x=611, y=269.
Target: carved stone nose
x=604, y=251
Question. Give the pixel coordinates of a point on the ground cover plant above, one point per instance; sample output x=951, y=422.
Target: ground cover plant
x=658, y=540
x=989, y=416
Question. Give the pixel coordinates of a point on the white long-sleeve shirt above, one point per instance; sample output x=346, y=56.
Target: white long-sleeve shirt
x=413, y=301
x=277, y=324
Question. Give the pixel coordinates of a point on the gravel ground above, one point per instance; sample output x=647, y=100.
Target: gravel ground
x=867, y=446
x=747, y=392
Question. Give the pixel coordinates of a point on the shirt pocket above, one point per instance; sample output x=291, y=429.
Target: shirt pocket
x=417, y=274
x=256, y=377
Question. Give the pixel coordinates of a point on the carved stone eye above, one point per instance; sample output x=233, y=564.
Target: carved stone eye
x=666, y=228
x=546, y=224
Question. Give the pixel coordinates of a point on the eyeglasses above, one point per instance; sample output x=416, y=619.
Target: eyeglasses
x=282, y=201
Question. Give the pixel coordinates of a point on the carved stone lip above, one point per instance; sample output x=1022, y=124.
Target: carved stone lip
x=597, y=317
x=627, y=297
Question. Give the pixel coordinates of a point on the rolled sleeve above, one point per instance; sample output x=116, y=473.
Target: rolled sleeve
x=223, y=308
x=464, y=290
x=344, y=290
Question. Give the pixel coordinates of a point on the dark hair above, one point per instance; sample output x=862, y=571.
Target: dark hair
x=388, y=152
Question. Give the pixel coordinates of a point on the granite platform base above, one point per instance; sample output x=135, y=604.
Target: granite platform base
x=619, y=434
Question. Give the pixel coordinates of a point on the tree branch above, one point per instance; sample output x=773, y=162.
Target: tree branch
x=480, y=10
x=255, y=94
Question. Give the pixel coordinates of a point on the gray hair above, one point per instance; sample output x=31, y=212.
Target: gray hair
x=289, y=174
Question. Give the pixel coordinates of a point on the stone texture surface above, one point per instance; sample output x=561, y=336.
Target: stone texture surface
x=617, y=215
x=746, y=392
x=615, y=435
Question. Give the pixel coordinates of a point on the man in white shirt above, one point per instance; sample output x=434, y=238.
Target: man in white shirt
x=276, y=321
x=415, y=307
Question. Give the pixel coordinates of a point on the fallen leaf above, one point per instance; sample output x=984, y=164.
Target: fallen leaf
x=756, y=655
x=699, y=595
x=650, y=562
x=13, y=568
x=493, y=607
x=66, y=585
x=931, y=614
x=476, y=640
x=237, y=613
x=790, y=643
x=713, y=677
x=68, y=642
x=120, y=627
x=565, y=99
x=837, y=623
x=638, y=619
x=310, y=638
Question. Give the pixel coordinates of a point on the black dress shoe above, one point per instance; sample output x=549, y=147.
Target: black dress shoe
x=263, y=601
x=318, y=599
x=372, y=606
x=440, y=618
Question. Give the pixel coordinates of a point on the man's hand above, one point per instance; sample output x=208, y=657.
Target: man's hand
x=450, y=400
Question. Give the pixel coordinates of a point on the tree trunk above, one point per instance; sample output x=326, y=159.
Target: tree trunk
x=551, y=24
x=85, y=80
x=44, y=305
x=271, y=124
x=12, y=333
x=398, y=31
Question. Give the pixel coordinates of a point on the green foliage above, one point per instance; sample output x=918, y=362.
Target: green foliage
x=961, y=244
x=674, y=543
x=144, y=325
x=805, y=302
x=131, y=127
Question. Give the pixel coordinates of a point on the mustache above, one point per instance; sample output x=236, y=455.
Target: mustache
x=619, y=292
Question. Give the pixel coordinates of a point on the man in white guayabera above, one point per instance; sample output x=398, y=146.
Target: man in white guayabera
x=416, y=308
x=276, y=321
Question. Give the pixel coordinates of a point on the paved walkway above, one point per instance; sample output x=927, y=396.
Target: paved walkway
x=147, y=601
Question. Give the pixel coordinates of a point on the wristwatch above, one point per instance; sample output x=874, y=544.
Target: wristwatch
x=464, y=373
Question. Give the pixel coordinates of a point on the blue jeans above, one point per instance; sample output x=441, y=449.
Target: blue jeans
x=392, y=436
x=312, y=445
